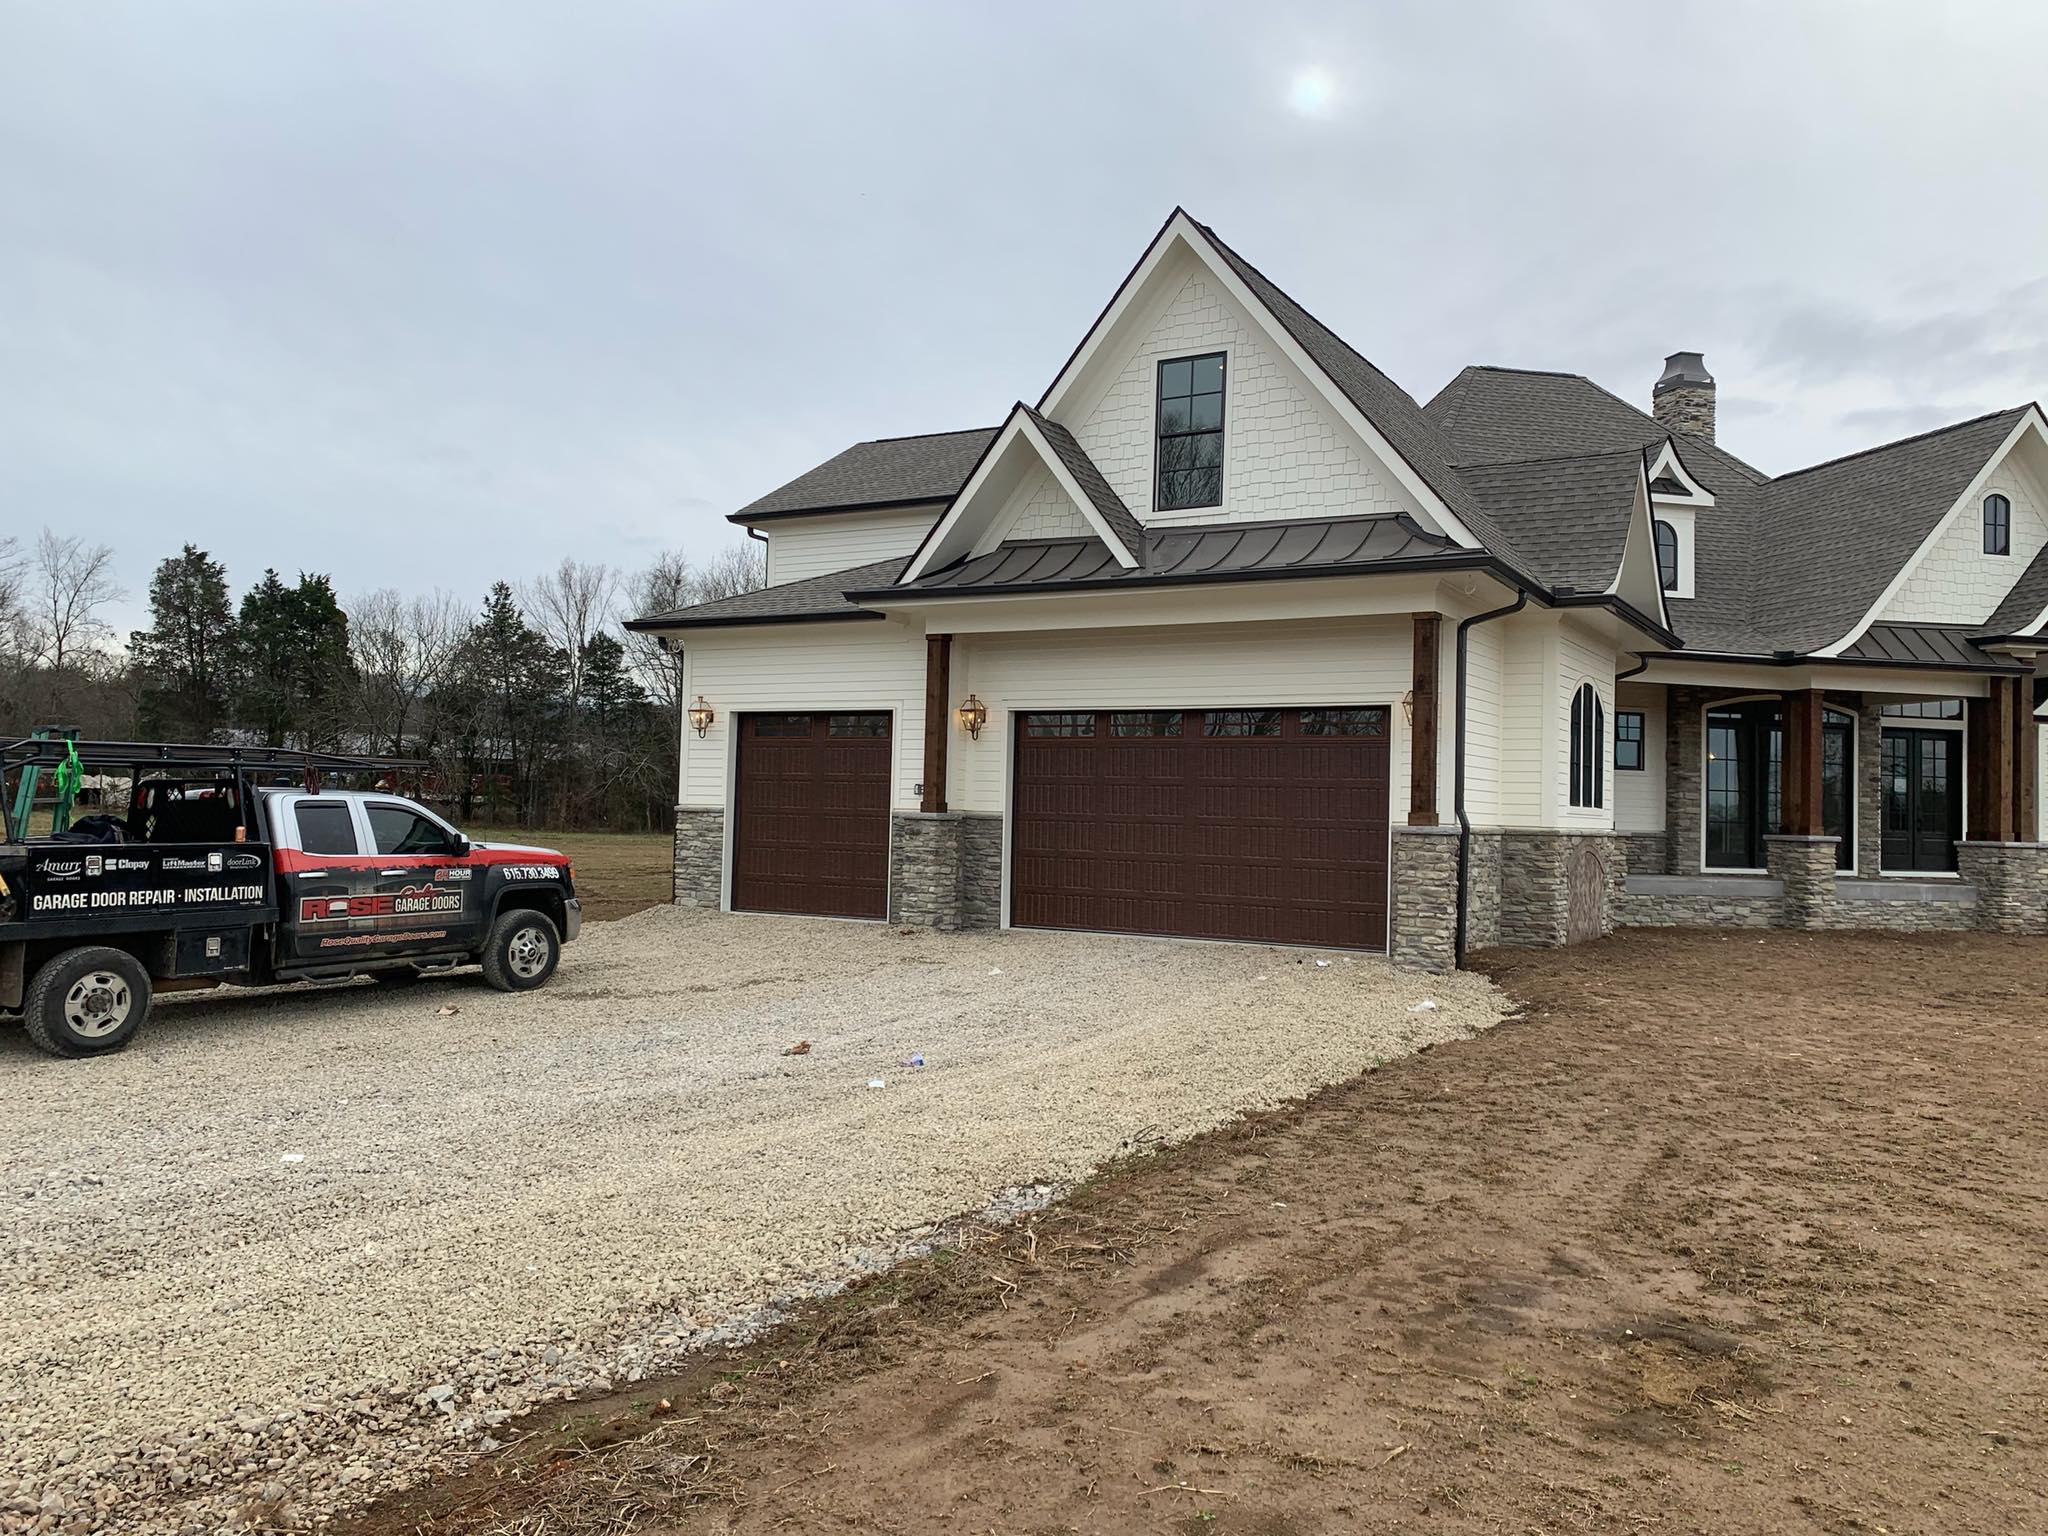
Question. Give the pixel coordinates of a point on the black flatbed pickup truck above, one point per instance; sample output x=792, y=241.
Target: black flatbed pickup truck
x=214, y=879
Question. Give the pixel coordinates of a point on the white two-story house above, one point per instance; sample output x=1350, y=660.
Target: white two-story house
x=1225, y=636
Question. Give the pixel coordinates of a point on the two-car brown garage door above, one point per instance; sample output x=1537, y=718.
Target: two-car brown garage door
x=1263, y=824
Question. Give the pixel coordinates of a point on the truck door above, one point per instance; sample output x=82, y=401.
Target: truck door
x=429, y=894
x=327, y=880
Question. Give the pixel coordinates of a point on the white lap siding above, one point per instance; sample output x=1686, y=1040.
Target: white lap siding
x=1639, y=795
x=1351, y=661
x=801, y=547
x=851, y=665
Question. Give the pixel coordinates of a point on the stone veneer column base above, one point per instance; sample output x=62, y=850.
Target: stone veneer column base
x=1805, y=866
x=1535, y=882
x=699, y=870
x=946, y=870
x=1647, y=852
x=2012, y=884
x=1424, y=910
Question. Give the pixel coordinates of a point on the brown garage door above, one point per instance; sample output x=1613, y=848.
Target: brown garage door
x=813, y=815
x=1264, y=824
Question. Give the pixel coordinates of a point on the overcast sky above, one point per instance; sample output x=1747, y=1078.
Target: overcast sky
x=424, y=293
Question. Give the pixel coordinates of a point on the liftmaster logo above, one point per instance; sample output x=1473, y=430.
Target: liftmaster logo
x=413, y=901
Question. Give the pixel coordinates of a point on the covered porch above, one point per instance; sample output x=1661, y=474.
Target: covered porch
x=1828, y=796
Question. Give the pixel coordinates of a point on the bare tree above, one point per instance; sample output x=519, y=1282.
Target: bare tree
x=662, y=587
x=402, y=649
x=569, y=605
x=737, y=568
x=68, y=583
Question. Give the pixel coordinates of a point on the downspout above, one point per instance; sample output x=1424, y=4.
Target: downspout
x=1458, y=772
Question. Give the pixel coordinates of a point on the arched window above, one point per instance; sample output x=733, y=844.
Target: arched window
x=1667, y=555
x=1589, y=748
x=1997, y=525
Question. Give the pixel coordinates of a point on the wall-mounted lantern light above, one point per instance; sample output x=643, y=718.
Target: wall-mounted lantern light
x=973, y=716
x=701, y=716
x=1408, y=707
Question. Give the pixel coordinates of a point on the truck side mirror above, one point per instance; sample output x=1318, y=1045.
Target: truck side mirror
x=459, y=846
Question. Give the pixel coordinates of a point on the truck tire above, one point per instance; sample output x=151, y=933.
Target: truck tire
x=522, y=951
x=86, y=1002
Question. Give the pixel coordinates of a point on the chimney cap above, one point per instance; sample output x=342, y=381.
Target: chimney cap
x=1682, y=368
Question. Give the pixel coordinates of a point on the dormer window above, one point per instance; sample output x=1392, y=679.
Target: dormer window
x=1997, y=525
x=1667, y=555
x=1190, y=433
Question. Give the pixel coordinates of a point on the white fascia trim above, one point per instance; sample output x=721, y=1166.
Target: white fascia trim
x=1641, y=525
x=1669, y=463
x=1183, y=232
x=2031, y=422
x=1018, y=426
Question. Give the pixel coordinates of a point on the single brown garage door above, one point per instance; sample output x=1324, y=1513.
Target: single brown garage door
x=813, y=815
x=1263, y=824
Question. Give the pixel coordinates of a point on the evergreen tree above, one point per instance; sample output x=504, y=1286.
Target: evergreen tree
x=185, y=659
x=612, y=698
x=294, y=667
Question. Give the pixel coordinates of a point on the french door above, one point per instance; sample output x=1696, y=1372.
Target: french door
x=1923, y=799
x=1745, y=763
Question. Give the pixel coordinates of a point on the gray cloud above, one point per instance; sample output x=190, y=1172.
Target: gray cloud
x=425, y=294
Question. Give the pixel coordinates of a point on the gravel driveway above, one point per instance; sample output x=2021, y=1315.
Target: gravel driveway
x=293, y=1246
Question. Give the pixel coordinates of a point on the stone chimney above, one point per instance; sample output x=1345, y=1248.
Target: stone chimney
x=1683, y=400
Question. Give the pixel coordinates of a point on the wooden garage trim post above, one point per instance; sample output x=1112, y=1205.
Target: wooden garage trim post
x=1802, y=814
x=1422, y=730
x=938, y=690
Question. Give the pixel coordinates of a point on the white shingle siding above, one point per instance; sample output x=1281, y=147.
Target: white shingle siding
x=801, y=547
x=1639, y=796
x=1957, y=583
x=1285, y=454
x=1039, y=509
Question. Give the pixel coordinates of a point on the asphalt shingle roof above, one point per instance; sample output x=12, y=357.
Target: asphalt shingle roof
x=878, y=473
x=816, y=597
x=2024, y=603
x=1569, y=517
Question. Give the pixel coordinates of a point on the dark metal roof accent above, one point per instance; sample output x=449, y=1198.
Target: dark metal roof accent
x=884, y=472
x=1947, y=646
x=816, y=597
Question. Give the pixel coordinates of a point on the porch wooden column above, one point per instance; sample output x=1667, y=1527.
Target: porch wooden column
x=1422, y=738
x=1993, y=749
x=1801, y=789
x=938, y=718
x=2027, y=758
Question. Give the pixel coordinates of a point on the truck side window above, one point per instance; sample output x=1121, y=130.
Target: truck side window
x=401, y=829
x=325, y=826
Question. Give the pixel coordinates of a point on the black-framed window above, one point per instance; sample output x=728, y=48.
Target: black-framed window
x=1667, y=555
x=1997, y=525
x=1190, y=432
x=1628, y=740
x=1589, y=749
x=1925, y=709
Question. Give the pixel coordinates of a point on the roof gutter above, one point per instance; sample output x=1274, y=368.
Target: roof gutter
x=1465, y=627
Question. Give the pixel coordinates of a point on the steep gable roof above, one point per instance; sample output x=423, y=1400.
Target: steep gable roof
x=881, y=472
x=2021, y=612
x=1831, y=538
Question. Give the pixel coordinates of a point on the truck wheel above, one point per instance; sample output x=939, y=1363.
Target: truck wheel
x=522, y=951
x=86, y=1001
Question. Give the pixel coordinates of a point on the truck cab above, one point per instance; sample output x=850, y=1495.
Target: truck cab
x=223, y=870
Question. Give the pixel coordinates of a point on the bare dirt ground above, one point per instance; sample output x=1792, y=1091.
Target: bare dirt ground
x=1725, y=1234
x=617, y=873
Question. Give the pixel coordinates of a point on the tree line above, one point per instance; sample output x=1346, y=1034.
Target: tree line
x=535, y=705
